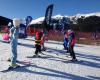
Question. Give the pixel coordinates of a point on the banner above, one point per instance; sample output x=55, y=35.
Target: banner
x=48, y=15
x=28, y=19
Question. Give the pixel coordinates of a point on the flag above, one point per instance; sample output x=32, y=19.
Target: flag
x=48, y=15
x=28, y=19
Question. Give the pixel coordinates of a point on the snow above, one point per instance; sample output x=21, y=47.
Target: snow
x=54, y=65
x=59, y=16
x=37, y=21
x=89, y=14
x=41, y=19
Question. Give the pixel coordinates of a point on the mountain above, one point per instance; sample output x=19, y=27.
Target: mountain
x=37, y=21
x=59, y=16
x=89, y=14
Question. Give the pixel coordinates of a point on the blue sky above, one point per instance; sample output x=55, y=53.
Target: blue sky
x=36, y=8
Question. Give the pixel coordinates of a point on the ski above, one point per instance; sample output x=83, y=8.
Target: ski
x=12, y=69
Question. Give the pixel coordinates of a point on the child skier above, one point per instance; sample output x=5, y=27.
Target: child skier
x=44, y=39
x=65, y=41
x=13, y=41
x=37, y=43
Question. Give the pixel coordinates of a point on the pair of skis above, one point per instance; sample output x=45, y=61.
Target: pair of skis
x=9, y=68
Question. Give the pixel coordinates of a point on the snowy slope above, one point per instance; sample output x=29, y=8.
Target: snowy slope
x=54, y=65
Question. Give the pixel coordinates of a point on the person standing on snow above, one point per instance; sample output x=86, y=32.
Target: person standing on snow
x=65, y=41
x=37, y=43
x=14, y=41
x=44, y=38
x=71, y=43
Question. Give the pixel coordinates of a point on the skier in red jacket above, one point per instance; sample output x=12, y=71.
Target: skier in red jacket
x=71, y=43
x=37, y=43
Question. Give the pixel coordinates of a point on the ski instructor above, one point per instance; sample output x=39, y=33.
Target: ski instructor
x=71, y=44
x=13, y=41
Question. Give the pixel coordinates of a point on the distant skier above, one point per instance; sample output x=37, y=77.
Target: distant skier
x=44, y=39
x=71, y=43
x=14, y=41
x=95, y=36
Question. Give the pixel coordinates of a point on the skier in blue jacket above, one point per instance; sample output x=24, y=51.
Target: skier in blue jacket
x=65, y=41
x=13, y=41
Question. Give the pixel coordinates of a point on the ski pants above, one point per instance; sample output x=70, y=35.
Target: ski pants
x=71, y=51
x=13, y=51
x=38, y=49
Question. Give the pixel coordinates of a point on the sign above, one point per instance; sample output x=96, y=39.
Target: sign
x=48, y=15
x=28, y=19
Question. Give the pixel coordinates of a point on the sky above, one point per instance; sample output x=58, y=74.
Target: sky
x=37, y=8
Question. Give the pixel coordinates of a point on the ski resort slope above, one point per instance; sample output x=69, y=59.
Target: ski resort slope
x=55, y=64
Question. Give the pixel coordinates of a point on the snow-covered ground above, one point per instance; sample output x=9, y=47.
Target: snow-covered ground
x=54, y=65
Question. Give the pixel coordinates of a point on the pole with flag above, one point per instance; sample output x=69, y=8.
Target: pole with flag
x=47, y=19
x=46, y=23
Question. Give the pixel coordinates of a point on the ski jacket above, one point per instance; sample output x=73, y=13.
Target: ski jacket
x=71, y=39
x=38, y=38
